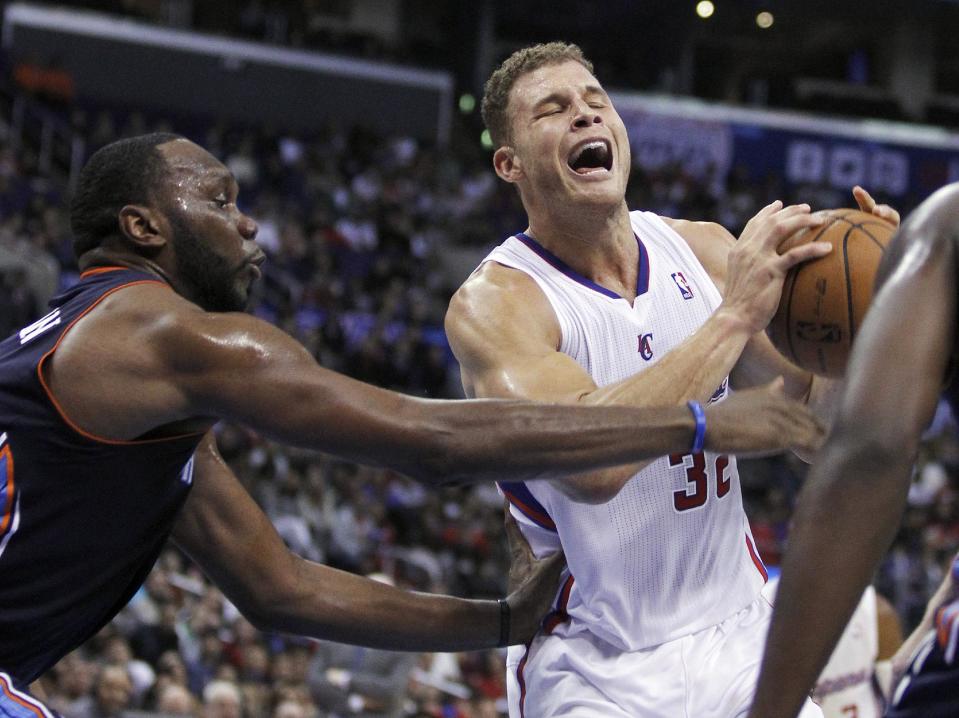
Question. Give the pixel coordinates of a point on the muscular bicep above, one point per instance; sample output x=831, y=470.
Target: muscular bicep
x=235, y=367
x=505, y=336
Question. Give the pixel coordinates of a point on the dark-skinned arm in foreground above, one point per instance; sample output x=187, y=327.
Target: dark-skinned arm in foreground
x=849, y=510
x=147, y=358
x=232, y=540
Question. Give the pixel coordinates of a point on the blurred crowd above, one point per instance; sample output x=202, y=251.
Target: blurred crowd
x=367, y=237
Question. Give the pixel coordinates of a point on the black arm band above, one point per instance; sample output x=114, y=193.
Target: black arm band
x=503, y=623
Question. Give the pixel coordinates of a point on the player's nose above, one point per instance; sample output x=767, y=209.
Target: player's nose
x=247, y=227
x=585, y=115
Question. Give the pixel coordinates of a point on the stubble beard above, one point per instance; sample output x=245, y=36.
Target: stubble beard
x=212, y=283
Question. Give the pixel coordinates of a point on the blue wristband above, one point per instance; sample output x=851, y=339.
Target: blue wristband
x=700, y=438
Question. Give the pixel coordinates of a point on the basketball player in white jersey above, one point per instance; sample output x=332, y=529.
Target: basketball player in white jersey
x=661, y=613
x=850, y=684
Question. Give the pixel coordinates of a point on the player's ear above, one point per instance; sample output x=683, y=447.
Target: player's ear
x=507, y=164
x=141, y=225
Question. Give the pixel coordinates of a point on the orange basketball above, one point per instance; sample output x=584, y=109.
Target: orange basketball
x=824, y=300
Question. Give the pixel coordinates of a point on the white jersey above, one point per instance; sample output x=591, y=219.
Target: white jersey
x=846, y=687
x=672, y=553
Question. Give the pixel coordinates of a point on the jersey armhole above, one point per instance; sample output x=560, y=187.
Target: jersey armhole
x=56, y=404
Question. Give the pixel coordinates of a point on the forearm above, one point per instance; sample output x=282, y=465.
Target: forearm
x=522, y=442
x=693, y=370
x=338, y=606
x=846, y=518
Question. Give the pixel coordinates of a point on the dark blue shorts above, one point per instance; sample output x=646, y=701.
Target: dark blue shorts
x=17, y=703
x=930, y=687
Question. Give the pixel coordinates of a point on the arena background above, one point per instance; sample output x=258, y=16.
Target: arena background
x=353, y=129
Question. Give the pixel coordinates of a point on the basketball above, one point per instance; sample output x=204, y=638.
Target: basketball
x=824, y=300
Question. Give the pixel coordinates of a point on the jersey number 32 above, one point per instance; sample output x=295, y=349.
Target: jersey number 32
x=697, y=476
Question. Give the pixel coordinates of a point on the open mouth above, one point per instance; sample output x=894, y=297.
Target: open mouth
x=590, y=157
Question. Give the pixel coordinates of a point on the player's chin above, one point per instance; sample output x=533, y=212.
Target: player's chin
x=599, y=191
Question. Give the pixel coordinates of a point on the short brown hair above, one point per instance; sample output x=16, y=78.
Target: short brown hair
x=498, y=86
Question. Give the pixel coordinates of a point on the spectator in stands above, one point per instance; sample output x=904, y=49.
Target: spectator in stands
x=363, y=681
x=221, y=699
x=112, y=695
x=176, y=700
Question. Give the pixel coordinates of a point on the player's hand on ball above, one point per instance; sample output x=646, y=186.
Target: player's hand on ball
x=868, y=204
x=762, y=420
x=755, y=270
x=532, y=584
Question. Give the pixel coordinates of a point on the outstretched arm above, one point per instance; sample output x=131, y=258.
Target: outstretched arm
x=853, y=499
x=275, y=386
x=226, y=533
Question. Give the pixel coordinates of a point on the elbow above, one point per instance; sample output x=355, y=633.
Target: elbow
x=876, y=458
x=434, y=468
x=261, y=619
x=442, y=449
x=270, y=605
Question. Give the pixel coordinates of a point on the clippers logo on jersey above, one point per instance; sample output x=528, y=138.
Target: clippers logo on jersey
x=645, y=346
x=683, y=285
x=40, y=326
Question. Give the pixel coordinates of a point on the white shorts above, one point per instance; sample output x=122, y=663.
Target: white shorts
x=709, y=674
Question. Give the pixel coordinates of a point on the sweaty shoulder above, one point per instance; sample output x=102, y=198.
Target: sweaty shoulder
x=710, y=243
x=106, y=372
x=499, y=307
x=139, y=360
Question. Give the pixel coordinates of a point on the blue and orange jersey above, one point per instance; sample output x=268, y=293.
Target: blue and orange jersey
x=82, y=518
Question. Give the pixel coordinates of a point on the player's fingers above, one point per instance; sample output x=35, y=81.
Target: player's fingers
x=518, y=545
x=765, y=212
x=863, y=199
x=803, y=253
x=789, y=221
x=813, y=433
x=777, y=387
x=884, y=211
x=774, y=206
x=554, y=562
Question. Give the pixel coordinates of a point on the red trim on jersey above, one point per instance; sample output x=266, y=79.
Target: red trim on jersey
x=5, y=453
x=541, y=518
x=556, y=617
x=102, y=270
x=942, y=633
x=521, y=679
x=755, y=557
x=559, y=614
x=53, y=400
x=20, y=701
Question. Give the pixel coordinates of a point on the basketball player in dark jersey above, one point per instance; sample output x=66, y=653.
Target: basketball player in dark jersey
x=106, y=405
x=848, y=512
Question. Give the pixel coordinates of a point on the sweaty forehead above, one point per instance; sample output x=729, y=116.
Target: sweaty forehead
x=187, y=160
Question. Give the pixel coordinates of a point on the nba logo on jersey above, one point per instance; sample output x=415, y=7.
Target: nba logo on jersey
x=682, y=284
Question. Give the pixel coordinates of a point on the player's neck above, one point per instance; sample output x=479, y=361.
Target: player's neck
x=600, y=247
x=100, y=257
